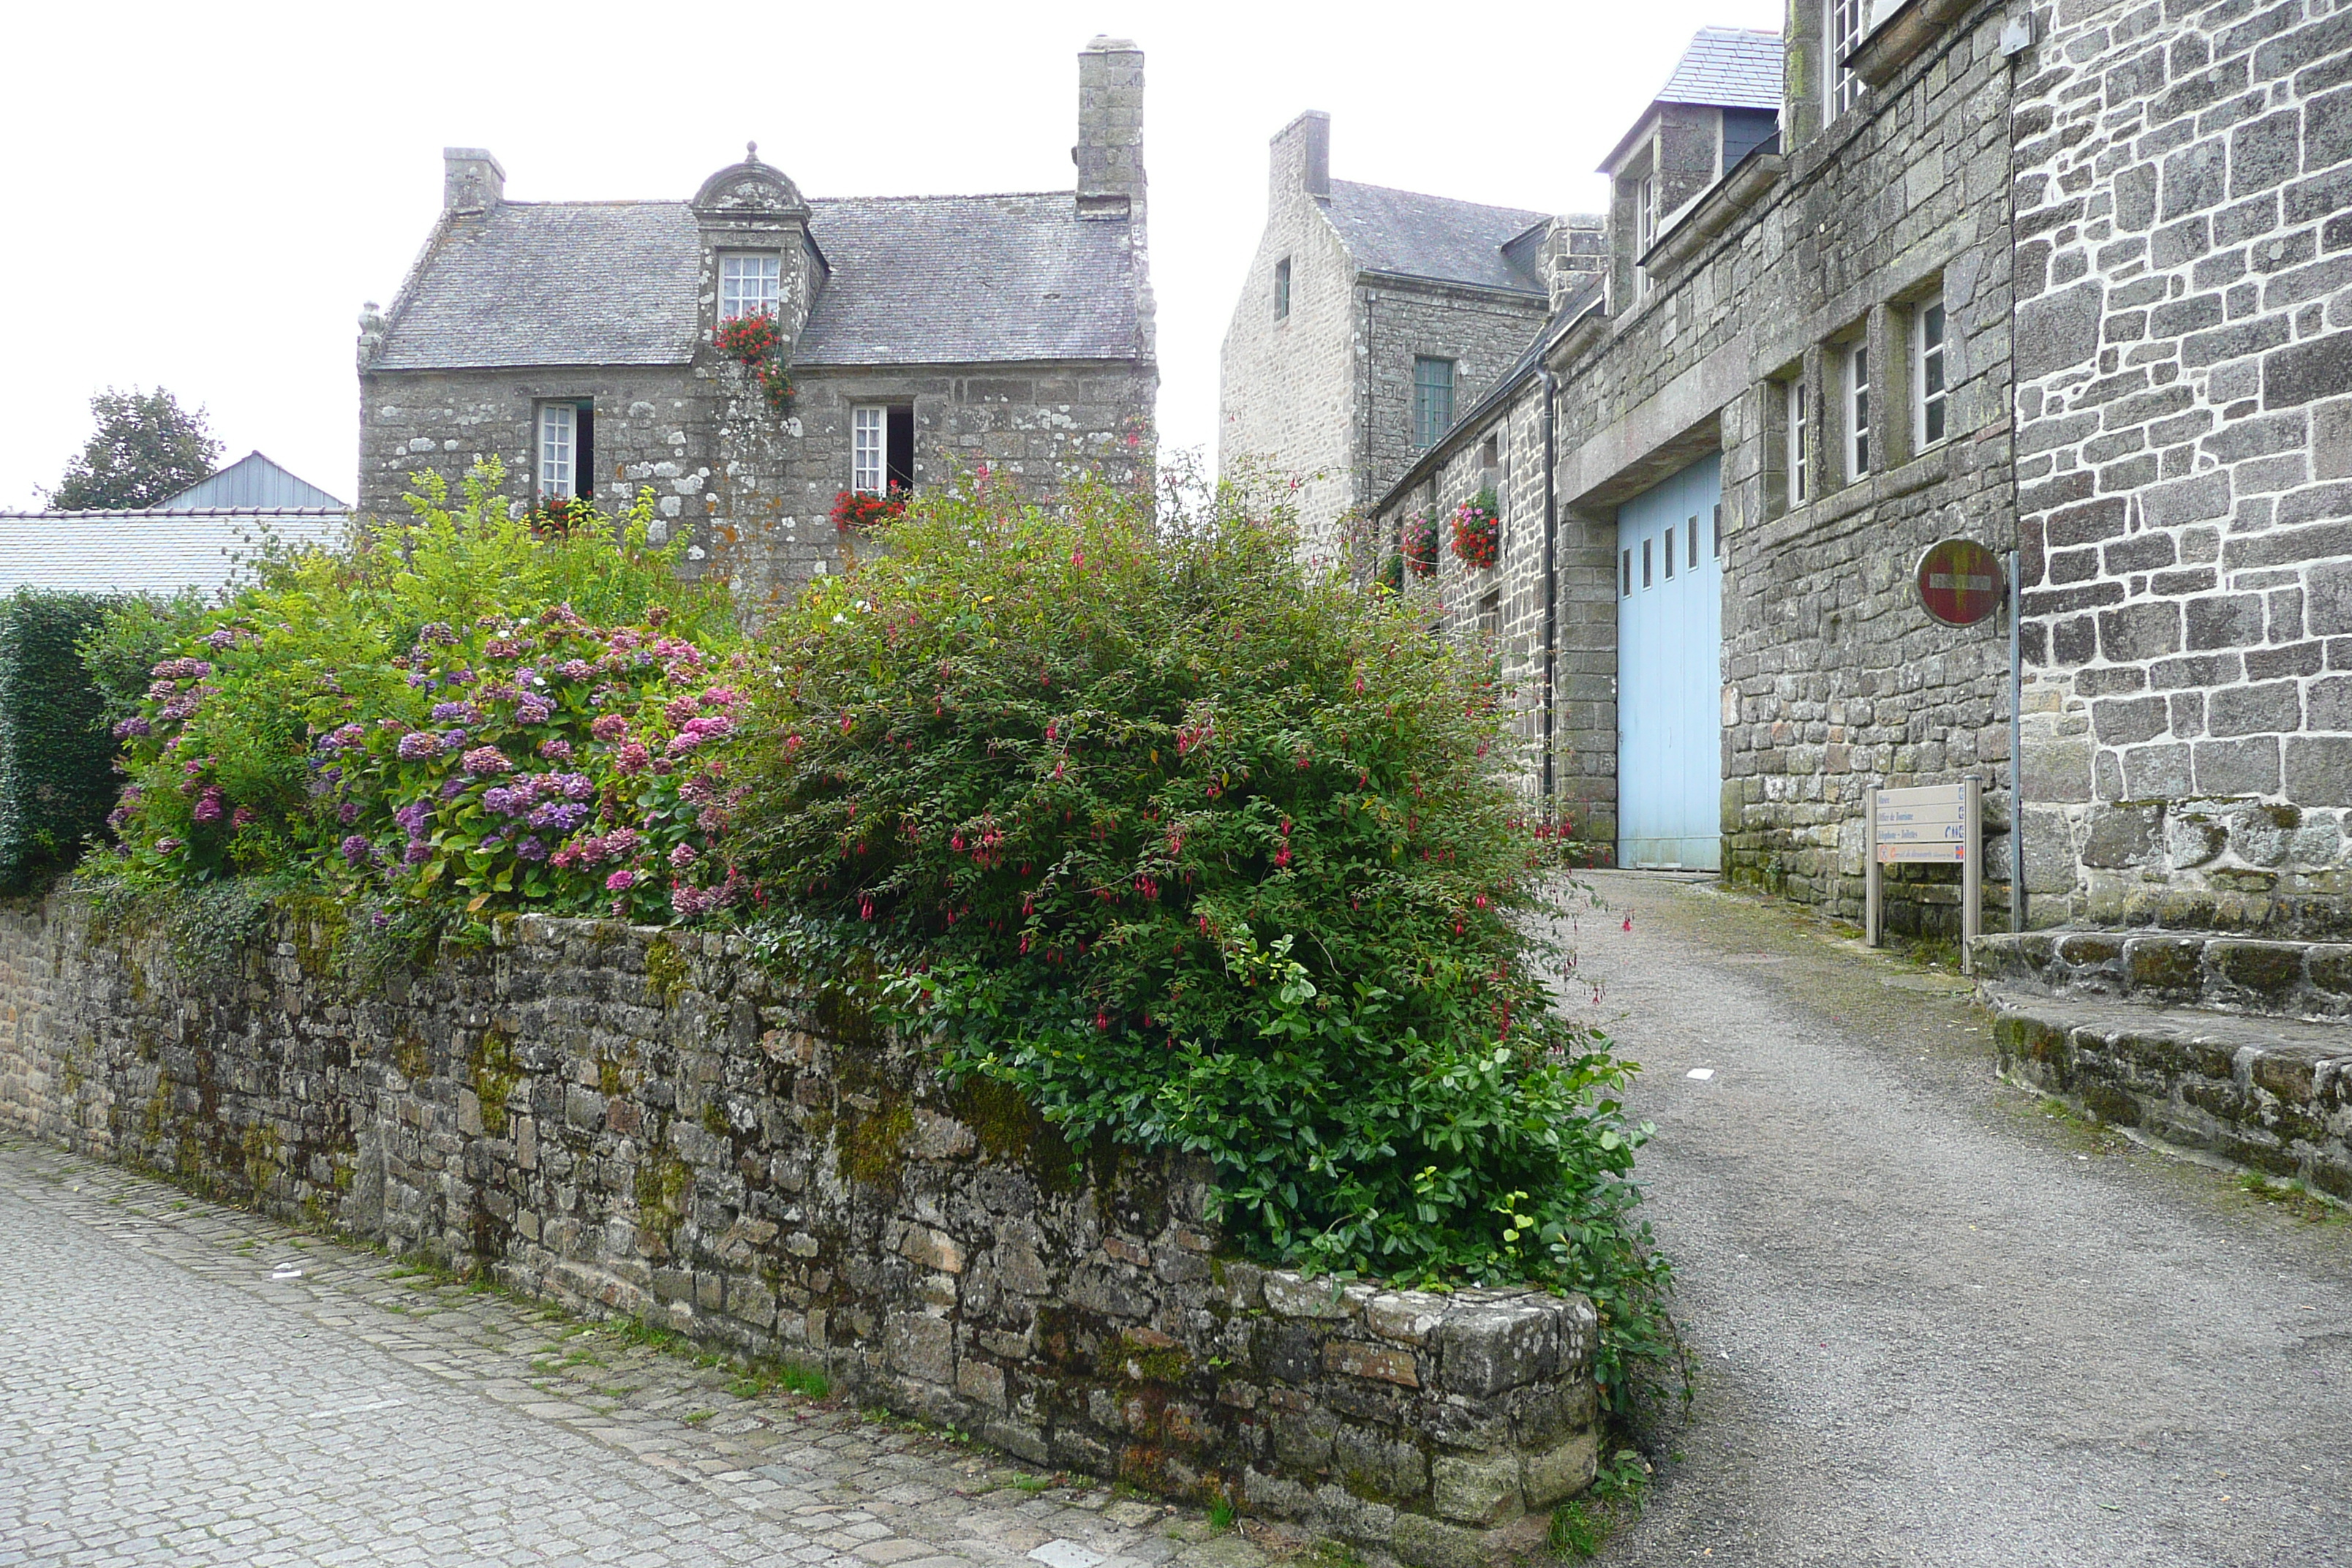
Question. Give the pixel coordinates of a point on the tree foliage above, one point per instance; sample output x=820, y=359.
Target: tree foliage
x=146, y=449
x=1202, y=849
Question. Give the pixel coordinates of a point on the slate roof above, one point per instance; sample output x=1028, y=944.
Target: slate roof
x=912, y=280
x=1437, y=237
x=156, y=551
x=532, y=283
x=970, y=280
x=253, y=481
x=1730, y=68
x=1724, y=67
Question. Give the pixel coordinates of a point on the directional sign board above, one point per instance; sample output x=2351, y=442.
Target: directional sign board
x=1932, y=823
x=1929, y=823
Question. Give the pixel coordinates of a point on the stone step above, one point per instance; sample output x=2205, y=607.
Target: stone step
x=2221, y=972
x=2272, y=1095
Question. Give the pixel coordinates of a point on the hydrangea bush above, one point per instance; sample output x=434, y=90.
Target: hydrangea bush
x=428, y=718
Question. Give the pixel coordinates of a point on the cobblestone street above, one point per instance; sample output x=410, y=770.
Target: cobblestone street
x=184, y=1384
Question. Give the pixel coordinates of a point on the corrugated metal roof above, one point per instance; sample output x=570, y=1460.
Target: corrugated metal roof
x=158, y=552
x=970, y=280
x=253, y=481
x=912, y=280
x=1437, y=237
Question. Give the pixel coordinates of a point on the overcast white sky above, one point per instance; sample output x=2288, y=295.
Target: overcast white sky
x=201, y=195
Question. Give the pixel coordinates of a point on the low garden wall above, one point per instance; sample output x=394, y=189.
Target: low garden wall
x=628, y=1121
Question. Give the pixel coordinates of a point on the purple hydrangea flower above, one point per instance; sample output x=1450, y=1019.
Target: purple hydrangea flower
x=453, y=786
x=417, y=852
x=531, y=849
x=487, y=760
x=411, y=816
x=348, y=813
x=534, y=710
x=456, y=713
x=208, y=806
x=419, y=744
x=134, y=725
x=358, y=850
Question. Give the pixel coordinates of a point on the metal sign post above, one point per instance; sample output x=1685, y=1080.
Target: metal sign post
x=1934, y=824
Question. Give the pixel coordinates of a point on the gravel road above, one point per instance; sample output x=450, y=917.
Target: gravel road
x=1939, y=1325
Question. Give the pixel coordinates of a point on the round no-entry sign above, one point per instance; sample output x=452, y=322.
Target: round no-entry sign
x=1959, y=582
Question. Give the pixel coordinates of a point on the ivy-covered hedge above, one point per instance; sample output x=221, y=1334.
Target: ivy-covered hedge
x=57, y=762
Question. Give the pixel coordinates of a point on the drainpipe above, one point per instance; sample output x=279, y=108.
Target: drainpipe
x=1551, y=599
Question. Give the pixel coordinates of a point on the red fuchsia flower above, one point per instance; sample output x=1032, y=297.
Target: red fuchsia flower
x=1102, y=1019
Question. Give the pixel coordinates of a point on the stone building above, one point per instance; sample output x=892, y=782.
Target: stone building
x=573, y=340
x=1369, y=319
x=1799, y=373
x=2184, y=399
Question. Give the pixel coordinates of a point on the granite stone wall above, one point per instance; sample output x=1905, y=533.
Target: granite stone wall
x=756, y=487
x=630, y=1120
x=1287, y=384
x=1833, y=679
x=2184, y=404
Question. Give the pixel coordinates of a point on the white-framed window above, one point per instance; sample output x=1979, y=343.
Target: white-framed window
x=559, y=429
x=1844, y=21
x=748, y=284
x=1799, y=482
x=1930, y=392
x=1857, y=411
x=869, y=449
x=1645, y=224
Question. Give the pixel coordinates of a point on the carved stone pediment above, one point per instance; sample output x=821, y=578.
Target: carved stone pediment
x=749, y=189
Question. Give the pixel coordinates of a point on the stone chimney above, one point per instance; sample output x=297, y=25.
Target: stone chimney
x=1576, y=250
x=1302, y=157
x=471, y=180
x=1109, y=153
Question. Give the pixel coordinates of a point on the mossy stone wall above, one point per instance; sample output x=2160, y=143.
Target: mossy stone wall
x=638, y=1121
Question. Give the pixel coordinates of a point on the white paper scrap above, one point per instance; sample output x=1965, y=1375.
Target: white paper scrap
x=1702, y=1074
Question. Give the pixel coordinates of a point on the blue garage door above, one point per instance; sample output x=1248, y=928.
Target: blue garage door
x=1669, y=672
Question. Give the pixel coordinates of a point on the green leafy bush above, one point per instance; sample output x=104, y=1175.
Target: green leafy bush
x=433, y=716
x=57, y=765
x=1203, y=850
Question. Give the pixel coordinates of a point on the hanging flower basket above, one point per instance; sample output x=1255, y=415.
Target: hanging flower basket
x=1392, y=574
x=863, y=509
x=1419, y=544
x=1477, y=531
x=775, y=384
x=748, y=340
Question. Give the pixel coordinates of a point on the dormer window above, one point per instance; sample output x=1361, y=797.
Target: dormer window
x=1841, y=88
x=748, y=285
